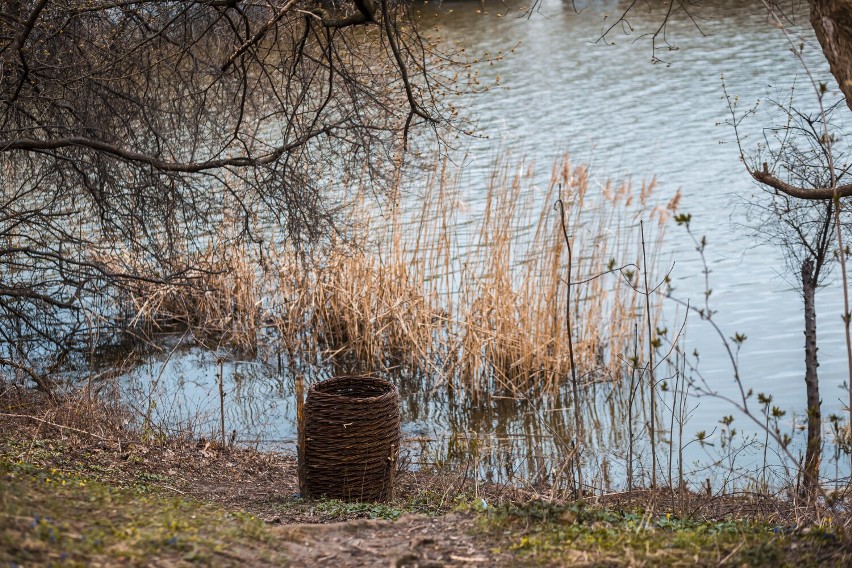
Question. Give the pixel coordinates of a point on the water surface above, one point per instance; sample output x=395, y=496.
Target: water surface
x=605, y=103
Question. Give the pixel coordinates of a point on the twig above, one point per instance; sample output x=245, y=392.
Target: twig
x=652, y=385
x=578, y=425
x=54, y=424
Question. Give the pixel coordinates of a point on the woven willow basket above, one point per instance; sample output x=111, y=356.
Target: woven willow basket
x=349, y=439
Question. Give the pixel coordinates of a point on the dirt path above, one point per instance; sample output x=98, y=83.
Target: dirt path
x=412, y=541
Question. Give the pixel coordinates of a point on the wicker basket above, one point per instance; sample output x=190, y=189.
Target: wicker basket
x=349, y=439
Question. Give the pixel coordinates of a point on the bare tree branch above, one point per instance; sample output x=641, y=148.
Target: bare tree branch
x=820, y=193
x=131, y=129
x=162, y=165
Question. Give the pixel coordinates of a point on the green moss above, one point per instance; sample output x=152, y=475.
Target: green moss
x=49, y=516
x=544, y=534
x=423, y=503
x=335, y=508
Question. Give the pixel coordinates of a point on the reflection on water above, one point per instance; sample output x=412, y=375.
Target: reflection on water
x=179, y=392
x=525, y=442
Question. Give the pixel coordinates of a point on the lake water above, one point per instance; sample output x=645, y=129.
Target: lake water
x=561, y=91
x=609, y=106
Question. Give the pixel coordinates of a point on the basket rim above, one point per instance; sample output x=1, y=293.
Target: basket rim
x=319, y=389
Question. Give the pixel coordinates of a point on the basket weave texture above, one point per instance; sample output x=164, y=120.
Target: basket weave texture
x=351, y=436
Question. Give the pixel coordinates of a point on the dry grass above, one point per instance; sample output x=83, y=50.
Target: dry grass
x=478, y=300
x=88, y=436
x=471, y=295
x=218, y=302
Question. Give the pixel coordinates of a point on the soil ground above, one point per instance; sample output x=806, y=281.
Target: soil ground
x=78, y=488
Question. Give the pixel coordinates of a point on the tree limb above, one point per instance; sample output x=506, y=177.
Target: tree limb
x=832, y=23
x=32, y=144
x=816, y=193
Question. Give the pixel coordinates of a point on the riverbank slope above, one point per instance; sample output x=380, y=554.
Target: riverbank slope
x=77, y=487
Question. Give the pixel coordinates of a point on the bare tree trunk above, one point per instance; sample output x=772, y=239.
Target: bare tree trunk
x=812, y=454
x=832, y=22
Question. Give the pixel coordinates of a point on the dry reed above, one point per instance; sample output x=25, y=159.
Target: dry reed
x=470, y=295
x=217, y=302
x=478, y=303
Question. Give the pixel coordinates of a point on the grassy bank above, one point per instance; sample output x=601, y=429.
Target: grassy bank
x=50, y=517
x=78, y=489
x=541, y=534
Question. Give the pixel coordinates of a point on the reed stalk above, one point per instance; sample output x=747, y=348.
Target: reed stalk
x=460, y=289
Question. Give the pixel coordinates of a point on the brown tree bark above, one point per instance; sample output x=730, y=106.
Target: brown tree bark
x=814, y=448
x=832, y=22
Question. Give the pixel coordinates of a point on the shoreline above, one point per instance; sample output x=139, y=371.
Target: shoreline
x=80, y=489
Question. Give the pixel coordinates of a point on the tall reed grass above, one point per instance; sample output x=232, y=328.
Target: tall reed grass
x=470, y=294
x=217, y=301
